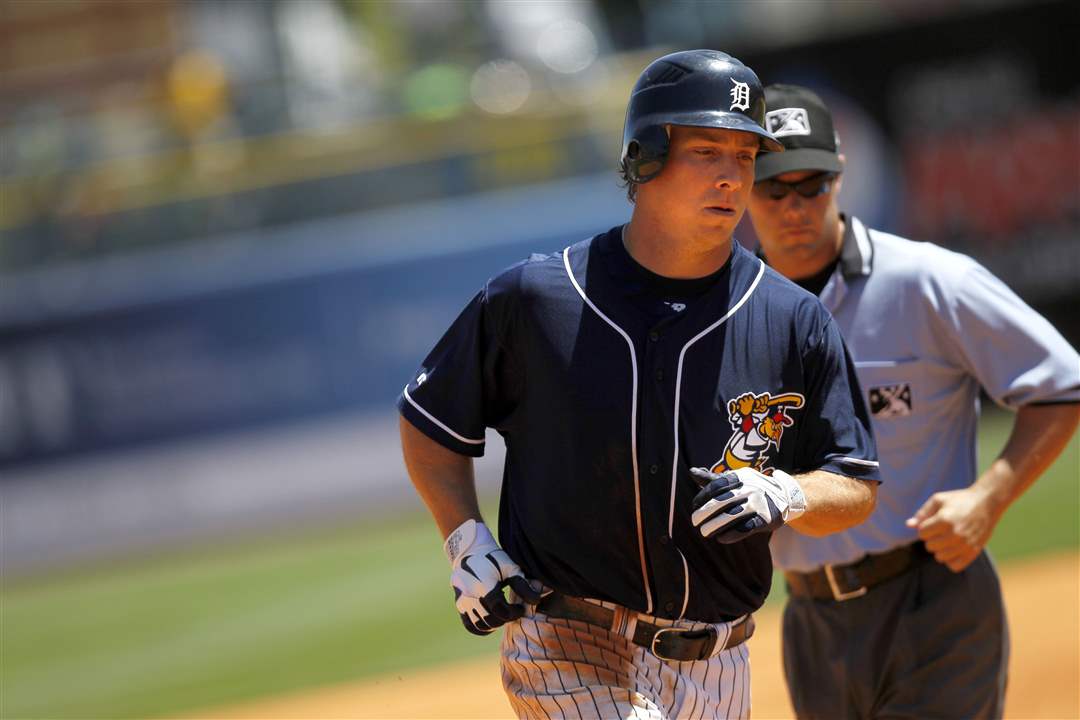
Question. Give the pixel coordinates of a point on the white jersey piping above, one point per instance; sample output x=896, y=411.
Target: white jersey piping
x=678, y=388
x=435, y=420
x=633, y=424
x=858, y=461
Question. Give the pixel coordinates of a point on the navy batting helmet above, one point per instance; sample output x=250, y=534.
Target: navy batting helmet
x=702, y=88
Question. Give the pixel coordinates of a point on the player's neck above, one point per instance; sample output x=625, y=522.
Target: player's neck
x=674, y=256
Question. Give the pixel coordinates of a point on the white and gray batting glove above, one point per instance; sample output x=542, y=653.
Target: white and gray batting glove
x=481, y=570
x=737, y=504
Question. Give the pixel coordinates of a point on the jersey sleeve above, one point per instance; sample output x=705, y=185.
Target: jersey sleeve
x=837, y=436
x=1017, y=356
x=468, y=382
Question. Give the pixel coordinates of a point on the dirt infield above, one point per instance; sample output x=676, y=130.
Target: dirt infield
x=1043, y=598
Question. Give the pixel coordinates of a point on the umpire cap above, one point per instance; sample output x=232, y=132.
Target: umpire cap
x=799, y=118
x=701, y=88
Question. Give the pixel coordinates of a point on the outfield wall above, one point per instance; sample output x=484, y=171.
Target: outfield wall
x=326, y=316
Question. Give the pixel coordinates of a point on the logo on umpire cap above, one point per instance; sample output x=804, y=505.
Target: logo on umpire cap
x=740, y=96
x=788, y=121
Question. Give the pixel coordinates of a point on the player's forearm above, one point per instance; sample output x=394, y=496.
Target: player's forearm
x=1038, y=436
x=833, y=502
x=443, y=478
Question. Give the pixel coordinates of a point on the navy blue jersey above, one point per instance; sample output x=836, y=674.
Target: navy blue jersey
x=605, y=402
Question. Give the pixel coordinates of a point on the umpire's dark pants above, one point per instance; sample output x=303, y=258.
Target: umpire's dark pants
x=929, y=643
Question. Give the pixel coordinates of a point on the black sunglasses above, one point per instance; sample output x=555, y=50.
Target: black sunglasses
x=809, y=188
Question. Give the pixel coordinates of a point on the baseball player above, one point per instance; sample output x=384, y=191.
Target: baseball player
x=902, y=616
x=667, y=402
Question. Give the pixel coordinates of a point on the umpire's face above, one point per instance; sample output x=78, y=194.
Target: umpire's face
x=797, y=220
x=702, y=191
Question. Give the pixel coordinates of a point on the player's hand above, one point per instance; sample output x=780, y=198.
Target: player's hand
x=955, y=525
x=481, y=572
x=737, y=504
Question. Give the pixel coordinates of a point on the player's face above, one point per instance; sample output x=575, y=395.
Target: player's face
x=705, y=184
x=798, y=234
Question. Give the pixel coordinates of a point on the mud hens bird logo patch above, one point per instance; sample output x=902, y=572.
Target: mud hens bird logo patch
x=758, y=422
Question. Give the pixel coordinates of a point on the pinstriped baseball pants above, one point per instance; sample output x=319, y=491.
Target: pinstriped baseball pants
x=557, y=668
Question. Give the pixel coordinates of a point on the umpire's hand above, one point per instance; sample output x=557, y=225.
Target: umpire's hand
x=957, y=524
x=481, y=571
x=737, y=504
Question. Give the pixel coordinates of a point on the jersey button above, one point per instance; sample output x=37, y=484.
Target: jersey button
x=670, y=607
x=654, y=336
x=664, y=539
x=659, y=375
x=653, y=469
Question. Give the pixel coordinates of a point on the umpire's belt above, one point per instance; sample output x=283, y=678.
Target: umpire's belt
x=844, y=582
x=666, y=643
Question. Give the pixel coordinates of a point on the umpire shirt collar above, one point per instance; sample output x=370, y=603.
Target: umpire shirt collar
x=856, y=251
x=856, y=261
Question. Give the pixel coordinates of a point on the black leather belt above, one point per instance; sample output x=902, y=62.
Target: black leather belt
x=844, y=582
x=666, y=643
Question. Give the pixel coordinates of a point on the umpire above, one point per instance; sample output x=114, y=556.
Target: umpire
x=902, y=616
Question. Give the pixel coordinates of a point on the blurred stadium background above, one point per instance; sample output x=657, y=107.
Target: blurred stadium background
x=232, y=228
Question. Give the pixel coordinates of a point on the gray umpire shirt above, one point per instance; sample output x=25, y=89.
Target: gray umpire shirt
x=926, y=327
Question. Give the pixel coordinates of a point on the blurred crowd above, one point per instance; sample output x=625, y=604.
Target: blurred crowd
x=129, y=123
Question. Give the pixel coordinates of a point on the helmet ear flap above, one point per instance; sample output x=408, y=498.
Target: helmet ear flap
x=644, y=154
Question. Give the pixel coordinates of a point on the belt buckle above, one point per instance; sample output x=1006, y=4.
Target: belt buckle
x=652, y=645
x=839, y=596
x=683, y=631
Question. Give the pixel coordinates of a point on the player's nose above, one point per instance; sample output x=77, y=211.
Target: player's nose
x=728, y=177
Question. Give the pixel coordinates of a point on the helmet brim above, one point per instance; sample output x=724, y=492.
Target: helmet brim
x=724, y=121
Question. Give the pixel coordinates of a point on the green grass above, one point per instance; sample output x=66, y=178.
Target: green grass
x=215, y=625
x=1047, y=516
x=221, y=624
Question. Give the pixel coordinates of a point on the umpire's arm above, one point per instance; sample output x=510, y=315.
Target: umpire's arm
x=833, y=502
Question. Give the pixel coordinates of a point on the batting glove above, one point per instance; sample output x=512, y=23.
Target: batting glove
x=481, y=570
x=737, y=504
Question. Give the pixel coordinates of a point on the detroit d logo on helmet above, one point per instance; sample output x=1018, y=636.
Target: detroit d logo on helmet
x=758, y=422
x=740, y=96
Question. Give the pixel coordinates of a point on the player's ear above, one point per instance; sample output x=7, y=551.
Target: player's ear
x=840, y=176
